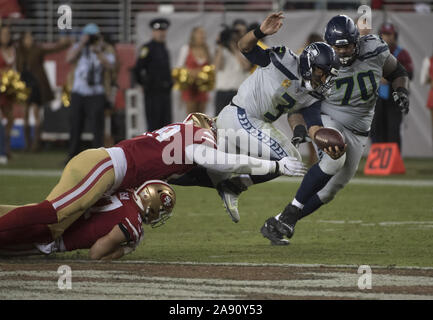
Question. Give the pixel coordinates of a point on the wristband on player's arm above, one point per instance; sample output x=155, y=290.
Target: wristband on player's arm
x=258, y=33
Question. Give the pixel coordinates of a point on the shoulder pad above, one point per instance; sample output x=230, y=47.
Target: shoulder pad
x=370, y=46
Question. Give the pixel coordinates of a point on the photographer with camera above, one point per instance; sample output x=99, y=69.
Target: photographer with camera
x=232, y=68
x=90, y=58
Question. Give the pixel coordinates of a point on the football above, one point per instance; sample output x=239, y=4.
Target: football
x=328, y=137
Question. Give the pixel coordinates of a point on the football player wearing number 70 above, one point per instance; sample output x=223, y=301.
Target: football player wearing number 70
x=349, y=108
x=170, y=151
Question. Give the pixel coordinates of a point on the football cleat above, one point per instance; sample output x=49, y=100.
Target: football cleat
x=288, y=219
x=271, y=231
x=230, y=200
x=229, y=191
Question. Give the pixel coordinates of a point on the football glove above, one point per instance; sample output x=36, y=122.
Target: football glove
x=290, y=166
x=300, y=135
x=401, y=98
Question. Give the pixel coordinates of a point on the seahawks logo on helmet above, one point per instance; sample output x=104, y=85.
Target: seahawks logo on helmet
x=318, y=55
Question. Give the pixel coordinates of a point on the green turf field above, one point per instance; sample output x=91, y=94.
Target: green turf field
x=374, y=223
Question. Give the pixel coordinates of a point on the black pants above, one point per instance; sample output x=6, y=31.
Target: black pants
x=82, y=108
x=158, y=108
x=386, y=122
x=223, y=98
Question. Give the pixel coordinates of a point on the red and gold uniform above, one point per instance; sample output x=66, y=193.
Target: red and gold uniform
x=97, y=172
x=118, y=209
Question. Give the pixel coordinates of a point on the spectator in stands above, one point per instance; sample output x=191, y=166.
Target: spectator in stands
x=426, y=78
x=388, y=117
x=194, y=56
x=7, y=61
x=240, y=26
x=232, y=68
x=88, y=99
x=153, y=71
x=30, y=64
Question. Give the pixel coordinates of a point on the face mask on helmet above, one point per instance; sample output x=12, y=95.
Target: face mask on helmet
x=203, y=121
x=156, y=200
x=346, y=53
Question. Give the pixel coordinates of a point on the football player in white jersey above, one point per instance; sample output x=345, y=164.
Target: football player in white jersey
x=349, y=108
x=284, y=83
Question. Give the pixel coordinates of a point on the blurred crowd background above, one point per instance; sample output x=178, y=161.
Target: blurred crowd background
x=130, y=66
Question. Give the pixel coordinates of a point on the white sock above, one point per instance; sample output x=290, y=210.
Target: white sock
x=297, y=204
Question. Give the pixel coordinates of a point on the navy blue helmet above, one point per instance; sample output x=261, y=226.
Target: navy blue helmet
x=318, y=55
x=342, y=31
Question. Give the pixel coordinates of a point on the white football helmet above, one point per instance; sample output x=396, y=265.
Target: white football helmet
x=156, y=200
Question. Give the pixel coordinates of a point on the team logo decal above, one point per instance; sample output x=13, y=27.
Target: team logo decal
x=286, y=83
x=166, y=200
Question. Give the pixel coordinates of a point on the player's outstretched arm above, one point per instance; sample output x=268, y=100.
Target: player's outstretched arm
x=269, y=26
x=220, y=161
x=397, y=75
x=109, y=247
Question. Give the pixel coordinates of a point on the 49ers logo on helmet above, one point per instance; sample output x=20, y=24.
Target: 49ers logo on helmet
x=166, y=200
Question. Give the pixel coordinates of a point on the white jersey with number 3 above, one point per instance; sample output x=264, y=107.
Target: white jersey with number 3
x=275, y=89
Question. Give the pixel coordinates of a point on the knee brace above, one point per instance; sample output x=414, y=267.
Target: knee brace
x=331, y=166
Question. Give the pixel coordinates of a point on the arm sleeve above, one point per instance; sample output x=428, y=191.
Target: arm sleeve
x=311, y=115
x=258, y=56
x=131, y=229
x=217, y=160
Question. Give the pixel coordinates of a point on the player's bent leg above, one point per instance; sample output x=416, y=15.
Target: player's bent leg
x=254, y=137
x=5, y=208
x=84, y=181
x=24, y=235
x=57, y=229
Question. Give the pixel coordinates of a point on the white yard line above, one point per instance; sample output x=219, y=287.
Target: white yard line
x=371, y=181
x=195, y=263
x=30, y=172
x=358, y=181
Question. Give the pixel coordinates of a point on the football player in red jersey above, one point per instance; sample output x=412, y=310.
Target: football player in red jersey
x=170, y=151
x=113, y=226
